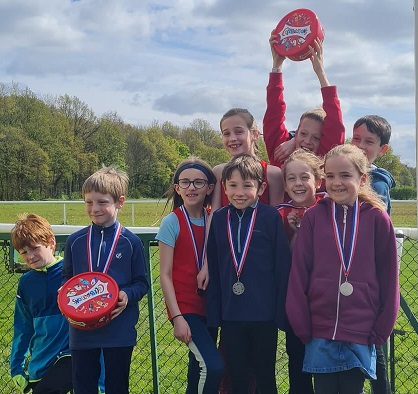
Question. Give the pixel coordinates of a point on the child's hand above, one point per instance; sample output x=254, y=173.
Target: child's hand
x=182, y=330
x=284, y=150
x=203, y=277
x=317, y=61
x=120, y=306
x=294, y=220
x=21, y=383
x=277, y=59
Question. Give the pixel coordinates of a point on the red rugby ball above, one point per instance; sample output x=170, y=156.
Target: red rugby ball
x=296, y=32
x=87, y=299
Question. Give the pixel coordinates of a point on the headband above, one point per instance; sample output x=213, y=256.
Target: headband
x=196, y=166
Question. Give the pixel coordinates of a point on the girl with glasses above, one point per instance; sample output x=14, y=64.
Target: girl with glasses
x=183, y=272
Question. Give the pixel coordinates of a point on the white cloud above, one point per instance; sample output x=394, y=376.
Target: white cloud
x=178, y=60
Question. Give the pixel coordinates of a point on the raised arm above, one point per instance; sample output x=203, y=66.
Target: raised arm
x=333, y=130
x=274, y=129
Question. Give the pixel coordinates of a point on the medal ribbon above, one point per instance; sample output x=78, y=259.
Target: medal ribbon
x=118, y=230
x=339, y=240
x=239, y=265
x=199, y=259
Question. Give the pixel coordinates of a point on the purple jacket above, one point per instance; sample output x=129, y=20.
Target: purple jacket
x=314, y=305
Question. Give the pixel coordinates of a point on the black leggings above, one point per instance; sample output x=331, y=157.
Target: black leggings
x=344, y=382
x=251, y=346
x=57, y=379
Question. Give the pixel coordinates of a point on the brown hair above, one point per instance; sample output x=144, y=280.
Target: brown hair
x=359, y=159
x=30, y=230
x=248, y=166
x=191, y=162
x=376, y=125
x=245, y=115
x=107, y=180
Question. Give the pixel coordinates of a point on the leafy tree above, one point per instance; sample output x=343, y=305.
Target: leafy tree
x=25, y=166
x=206, y=133
x=109, y=142
x=391, y=162
x=82, y=119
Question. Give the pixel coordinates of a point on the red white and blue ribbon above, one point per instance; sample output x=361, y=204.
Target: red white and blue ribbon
x=199, y=259
x=340, y=238
x=118, y=230
x=239, y=263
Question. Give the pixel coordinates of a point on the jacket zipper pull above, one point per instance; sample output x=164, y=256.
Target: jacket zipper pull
x=345, y=214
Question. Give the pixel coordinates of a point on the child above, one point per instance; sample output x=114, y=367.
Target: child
x=108, y=247
x=182, y=244
x=239, y=135
x=371, y=133
x=248, y=261
x=40, y=337
x=319, y=129
x=343, y=298
x=303, y=175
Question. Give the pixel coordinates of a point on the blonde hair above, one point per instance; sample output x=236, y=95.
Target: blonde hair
x=317, y=114
x=107, y=180
x=314, y=162
x=359, y=159
x=31, y=229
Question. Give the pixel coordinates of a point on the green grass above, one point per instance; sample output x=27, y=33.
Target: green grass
x=172, y=355
x=136, y=213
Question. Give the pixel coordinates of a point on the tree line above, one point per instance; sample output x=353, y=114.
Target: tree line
x=50, y=145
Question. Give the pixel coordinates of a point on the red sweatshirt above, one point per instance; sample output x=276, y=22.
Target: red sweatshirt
x=275, y=131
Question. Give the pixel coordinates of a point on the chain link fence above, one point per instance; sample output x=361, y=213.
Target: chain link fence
x=159, y=363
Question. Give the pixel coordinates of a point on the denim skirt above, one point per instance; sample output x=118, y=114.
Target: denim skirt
x=326, y=356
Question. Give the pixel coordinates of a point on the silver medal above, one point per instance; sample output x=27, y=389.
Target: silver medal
x=238, y=288
x=346, y=289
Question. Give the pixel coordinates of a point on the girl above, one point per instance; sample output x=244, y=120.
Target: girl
x=303, y=176
x=239, y=135
x=183, y=272
x=343, y=298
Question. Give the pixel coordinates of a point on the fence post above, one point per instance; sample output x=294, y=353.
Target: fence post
x=399, y=247
x=151, y=314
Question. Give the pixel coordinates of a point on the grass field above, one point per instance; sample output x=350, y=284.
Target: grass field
x=138, y=213
x=172, y=356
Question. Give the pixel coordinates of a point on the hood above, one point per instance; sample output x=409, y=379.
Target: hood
x=380, y=174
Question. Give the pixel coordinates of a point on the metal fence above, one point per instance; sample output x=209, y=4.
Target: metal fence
x=159, y=363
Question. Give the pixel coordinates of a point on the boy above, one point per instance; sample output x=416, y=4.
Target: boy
x=319, y=129
x=40, y=336
x=106, y=246
x=248, y=260
x=371, y=133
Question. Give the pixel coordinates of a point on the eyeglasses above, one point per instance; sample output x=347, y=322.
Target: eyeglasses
x=197, y=183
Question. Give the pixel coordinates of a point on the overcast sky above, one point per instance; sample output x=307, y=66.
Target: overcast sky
x=178, y=60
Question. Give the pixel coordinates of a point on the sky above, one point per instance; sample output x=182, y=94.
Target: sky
x=181, y=60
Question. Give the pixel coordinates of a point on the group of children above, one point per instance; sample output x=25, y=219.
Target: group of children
x=303, y=244
x=49, y=355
